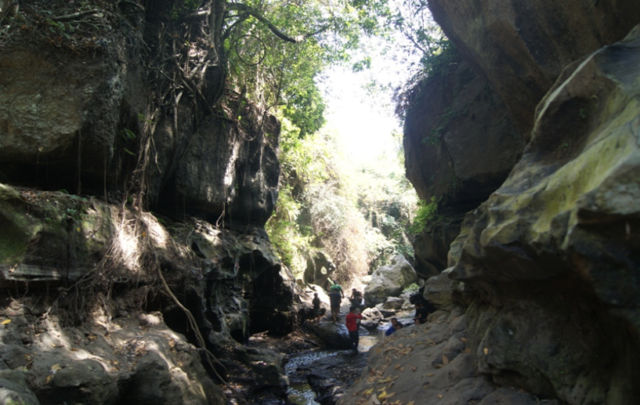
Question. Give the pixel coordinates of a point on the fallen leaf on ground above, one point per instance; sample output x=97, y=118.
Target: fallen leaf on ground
x=445, y=360
x=6, y=321
x=384, y=395
x=486, y=351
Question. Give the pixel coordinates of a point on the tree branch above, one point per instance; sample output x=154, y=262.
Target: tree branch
x=248, y=10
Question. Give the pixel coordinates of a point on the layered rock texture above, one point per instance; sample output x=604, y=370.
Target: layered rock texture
x=544, y=267
x=521, y=48
x=105, y=115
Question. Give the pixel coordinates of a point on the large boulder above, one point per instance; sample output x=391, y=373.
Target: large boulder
x=389, y=281
x=559, y=240
x=522, y=47
x=64, y=116
x=333, y=335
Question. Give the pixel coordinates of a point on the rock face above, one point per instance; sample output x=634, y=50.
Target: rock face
x=560, y=234
x=99, y=363
x=432, y=246
x=221, y=168
x=231, y=282
x=546, y=268
x=460, y=143
x=523, y=47
x=389, y=281
x=89, y=123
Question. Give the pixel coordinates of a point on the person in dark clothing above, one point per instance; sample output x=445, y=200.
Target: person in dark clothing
x=352, y=327
x=423, y=309
x=316, y=307
x=335, y=298
x=421, y=313
x=356, y=298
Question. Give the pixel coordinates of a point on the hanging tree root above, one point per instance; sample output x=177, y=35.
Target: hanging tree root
x=192, y=322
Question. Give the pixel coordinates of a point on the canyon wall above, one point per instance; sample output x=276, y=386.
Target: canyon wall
x=101, y=123
x=545, y=263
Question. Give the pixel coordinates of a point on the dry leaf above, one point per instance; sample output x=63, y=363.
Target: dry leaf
x=464, y=340
x=382, y=389
x=49, y=378
x=445, y=360
x=369, y=391
x=440, y=396
x=6, y=321
x=384, y=395
x=55, y=368
x=486, y=351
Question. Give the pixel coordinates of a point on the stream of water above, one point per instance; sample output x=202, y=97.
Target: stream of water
x=300, y=392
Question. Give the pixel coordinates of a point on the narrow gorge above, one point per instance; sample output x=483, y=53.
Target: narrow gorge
x=138, y=173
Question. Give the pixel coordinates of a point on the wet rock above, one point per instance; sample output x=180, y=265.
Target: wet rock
x=333, y=335
x=389, y=281
x=332, y=376
x=522, y=48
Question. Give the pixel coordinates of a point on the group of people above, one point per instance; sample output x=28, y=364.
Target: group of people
x=336, y=295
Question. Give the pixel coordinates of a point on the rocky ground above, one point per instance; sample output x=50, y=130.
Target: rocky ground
x=431, y=364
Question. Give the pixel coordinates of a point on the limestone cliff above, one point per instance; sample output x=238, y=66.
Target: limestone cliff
x=460, y=143
x=546, y=268
x=106, y=114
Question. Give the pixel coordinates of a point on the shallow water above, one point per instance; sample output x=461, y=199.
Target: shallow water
x=300, y=392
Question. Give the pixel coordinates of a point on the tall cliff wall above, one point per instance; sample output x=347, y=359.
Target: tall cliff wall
x=547, y=267
x=108, y=112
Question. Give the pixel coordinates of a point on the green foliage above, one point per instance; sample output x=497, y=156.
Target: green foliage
x=281, y=75
x=413, y=288
x=425, y=214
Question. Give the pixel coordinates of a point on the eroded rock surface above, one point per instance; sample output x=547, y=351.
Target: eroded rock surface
x=523, y=47
x=556, y=242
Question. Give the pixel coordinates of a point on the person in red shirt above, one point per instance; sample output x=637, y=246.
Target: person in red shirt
x=352, y=327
